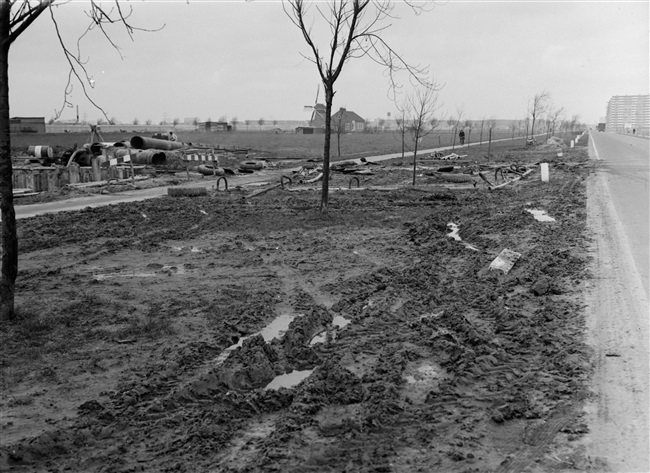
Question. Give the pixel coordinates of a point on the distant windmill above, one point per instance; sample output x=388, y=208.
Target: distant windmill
x=316, y=109
x=308, y=108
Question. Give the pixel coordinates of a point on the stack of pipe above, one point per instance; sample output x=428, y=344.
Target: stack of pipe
x=140, y=142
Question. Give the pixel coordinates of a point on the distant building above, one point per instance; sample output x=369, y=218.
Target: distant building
x=628, y=113
x=215, y=126
x=350, y=121
x=27, y=125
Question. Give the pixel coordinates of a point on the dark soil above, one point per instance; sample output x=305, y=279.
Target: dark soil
x=138, y=344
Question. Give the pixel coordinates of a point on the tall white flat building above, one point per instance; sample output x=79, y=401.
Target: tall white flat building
x=628, y=113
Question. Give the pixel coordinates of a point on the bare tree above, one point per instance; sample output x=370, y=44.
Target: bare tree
x=234, y=122
x=513, y=128
x=491, y=124
x=350, y=29
x=338, y=127
x=401, y=130
x=420, y=122
x=15, y=18
x=454, y=121
x=452, y=131
x=575, y=119
x=555, y=117
x=537, y=106
x=247, y=123
x=261, y=123
x=481, y=135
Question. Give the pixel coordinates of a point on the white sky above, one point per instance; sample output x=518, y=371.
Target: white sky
x=243, y=59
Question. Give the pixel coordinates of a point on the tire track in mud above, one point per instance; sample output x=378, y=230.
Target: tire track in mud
x=439, y=354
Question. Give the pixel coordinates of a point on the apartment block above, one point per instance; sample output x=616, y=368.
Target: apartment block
x=628, y=113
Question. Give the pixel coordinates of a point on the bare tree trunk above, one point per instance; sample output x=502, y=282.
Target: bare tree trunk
x=415, y=154
x=532, y=128
x=9, y=238
x=338, y=137
x=489, y=142
x=403, y=133
x=329, y=98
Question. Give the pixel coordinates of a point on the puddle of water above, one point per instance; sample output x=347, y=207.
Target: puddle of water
x=193, y=249
x=541, y=215
x=122, y=274
x=320, y=338
x=288, y=380
x=338, y=322
x=180, y=269
x=455, y=229
x=275, y=329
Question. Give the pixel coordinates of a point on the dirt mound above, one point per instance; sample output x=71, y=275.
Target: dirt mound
x=553, y=143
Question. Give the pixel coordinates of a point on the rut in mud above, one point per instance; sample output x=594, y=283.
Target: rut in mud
x=219, y=334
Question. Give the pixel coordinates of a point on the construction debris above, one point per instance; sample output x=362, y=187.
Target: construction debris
x=439, y=155
x=505, y=261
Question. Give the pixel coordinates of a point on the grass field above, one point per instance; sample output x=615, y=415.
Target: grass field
x=266, y=143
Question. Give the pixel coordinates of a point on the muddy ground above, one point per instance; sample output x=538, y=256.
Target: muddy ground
x=151, y=336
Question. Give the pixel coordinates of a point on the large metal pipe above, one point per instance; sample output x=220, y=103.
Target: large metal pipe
x=149, y=156
x=40, y=151
x=140, y=142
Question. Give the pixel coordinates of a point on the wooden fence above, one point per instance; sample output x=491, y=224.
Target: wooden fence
x=42, y=178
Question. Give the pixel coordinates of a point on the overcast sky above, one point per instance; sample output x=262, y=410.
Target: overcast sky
x=217, y=58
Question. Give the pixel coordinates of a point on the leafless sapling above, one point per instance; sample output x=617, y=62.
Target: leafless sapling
x=339, y=30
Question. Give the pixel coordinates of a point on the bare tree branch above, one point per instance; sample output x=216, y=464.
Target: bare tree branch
x=20, y=24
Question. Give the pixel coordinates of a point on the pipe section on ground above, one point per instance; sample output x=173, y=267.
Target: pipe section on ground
x=40, y=151
x=149, y=156
x=140, y=142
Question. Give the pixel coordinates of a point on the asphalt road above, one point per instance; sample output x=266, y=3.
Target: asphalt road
x=625, y=161
x=618, y=327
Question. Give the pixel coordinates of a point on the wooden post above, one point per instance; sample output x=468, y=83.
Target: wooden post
x=74, y=169
x=52, y=180
x=64, y=176
x=489, y=142
x=29, y=180
x=132, y=170
x=96, y=173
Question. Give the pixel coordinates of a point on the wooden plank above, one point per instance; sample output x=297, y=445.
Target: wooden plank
x=74, y=171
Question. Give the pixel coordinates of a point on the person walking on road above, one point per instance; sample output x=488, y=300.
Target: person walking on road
x=461, y=136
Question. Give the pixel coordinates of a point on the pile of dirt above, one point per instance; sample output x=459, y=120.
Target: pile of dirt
x=553, y=143
x=216, y=333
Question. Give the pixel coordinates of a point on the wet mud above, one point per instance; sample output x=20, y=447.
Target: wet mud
x=216, y=333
